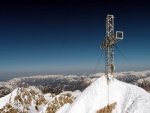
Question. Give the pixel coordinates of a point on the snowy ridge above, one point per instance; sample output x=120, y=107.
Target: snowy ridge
x=32, y=100
x=58, y=101
x=128, y=98
x=29, y=100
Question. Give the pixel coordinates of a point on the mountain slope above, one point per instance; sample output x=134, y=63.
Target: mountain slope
x=58, y=101
x=32, y=100
x=23, y=100
x=122, y=98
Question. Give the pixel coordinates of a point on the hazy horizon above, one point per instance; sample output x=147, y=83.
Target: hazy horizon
x=9, y=76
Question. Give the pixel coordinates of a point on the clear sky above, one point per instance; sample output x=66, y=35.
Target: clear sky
x=63, y=37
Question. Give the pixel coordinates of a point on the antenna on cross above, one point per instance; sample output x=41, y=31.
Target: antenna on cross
x=108, y=44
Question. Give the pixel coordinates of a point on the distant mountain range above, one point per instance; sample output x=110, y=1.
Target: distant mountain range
x=55, y=84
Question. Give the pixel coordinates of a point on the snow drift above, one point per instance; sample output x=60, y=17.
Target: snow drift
x=117, y=97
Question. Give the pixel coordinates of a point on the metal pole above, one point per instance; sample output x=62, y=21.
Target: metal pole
x=108, y=45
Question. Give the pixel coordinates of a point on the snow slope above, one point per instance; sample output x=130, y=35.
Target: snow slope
x=64, y=98
x=29, y=100
x=124, y=98
x=32, y=100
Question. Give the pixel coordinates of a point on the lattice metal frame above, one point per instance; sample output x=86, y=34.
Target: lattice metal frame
x=108, y=45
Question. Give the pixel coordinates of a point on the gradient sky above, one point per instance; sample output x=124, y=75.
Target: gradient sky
x=63, y=37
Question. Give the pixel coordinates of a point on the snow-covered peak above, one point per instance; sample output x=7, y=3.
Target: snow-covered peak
x=28, y=100
x=115, y=97
x=32, y=100
x=58, y=101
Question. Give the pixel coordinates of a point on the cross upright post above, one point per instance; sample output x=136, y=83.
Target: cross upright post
x=108, y=45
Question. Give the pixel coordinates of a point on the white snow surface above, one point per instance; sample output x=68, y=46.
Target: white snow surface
x=63, y=108
x=129, y=98
x=48, y=97
x=10, y=99
x=75, y=93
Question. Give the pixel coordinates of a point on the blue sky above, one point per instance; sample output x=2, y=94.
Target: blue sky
x=64, y=37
